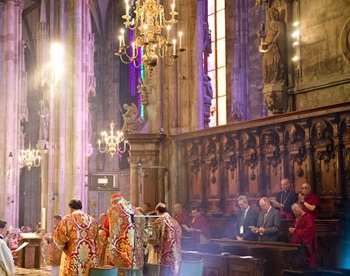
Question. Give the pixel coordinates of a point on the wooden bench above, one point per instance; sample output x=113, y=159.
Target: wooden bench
x=218, y=264
x=279, y=256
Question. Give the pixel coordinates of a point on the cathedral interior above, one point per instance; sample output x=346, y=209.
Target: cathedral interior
x=212, y=100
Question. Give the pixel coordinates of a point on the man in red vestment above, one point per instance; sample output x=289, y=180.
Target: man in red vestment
x=310, y=201
x=77, y=235
x=54, y=258
x=304, y=232
x=199, y=227
x=166, y=240
x=125, y=232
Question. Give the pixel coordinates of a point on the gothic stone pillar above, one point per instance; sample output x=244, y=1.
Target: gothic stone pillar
x=144, y=152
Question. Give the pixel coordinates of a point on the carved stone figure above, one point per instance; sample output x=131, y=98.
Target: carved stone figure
x=295, y=139
x=207, y=96
x=44, y=114
x=22, y=138
x=270, y=141
x=346, y=128
x=273, y=59
x=246, y=141
x=144, y=89
x=321, y=134
x=130, y=117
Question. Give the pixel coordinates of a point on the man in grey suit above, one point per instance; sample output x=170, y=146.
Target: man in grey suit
x=269, y=221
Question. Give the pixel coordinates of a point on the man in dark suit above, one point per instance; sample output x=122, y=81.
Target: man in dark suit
x=286, y=198
x=269, y=221
x=239, y=227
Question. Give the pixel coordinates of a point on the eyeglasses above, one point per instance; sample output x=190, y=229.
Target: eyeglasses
x=303, y=188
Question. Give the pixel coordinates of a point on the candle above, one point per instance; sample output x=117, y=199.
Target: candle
x=167, y=32
x=133, y=50
x=126, y=7
x=160, y=18
x=123, y=41
x=174, y=42
x=172, y=7
x=120, y=41
x=10, y=230
x=180, y=35
x=43, y=218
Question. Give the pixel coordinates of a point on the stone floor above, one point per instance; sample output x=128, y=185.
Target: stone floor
x=25, y=271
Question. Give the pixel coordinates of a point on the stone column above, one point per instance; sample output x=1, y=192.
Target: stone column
x=144, y=148
x=11, y=61
x=134, y=181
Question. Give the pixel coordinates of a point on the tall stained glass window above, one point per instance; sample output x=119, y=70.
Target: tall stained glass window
x=216, y=62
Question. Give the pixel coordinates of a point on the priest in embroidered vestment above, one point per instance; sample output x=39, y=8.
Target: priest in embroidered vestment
x=125, y=232
x=77, y=235
x=304, y=232
x=166, y=241
x=54, y=257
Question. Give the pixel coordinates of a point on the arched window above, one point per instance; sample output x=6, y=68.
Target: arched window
x=216, y=61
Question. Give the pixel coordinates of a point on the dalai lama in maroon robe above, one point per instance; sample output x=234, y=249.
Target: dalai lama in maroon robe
x=304, y=232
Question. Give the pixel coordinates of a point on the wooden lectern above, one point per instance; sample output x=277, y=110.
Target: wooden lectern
x=30, y=255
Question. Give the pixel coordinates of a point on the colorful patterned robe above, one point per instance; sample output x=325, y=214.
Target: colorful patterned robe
x=125, y=249
x=77, y=235
x=54, y=257
x=166, y=245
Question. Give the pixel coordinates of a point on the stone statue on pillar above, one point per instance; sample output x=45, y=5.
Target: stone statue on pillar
x=44, y=114
x=207, y=96
x=274, y=63
x=144, y=90
x=132, y=123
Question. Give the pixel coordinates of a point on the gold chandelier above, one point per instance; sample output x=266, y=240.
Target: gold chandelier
x=110, y=143
x=29, y=158
x=148, y=21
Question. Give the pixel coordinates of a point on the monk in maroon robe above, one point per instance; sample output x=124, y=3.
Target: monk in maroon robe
x=304, y=232
x=310, y=201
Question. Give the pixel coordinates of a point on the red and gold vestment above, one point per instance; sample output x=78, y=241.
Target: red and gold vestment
x=166, y=246
x=125, y=232
x=77, y=235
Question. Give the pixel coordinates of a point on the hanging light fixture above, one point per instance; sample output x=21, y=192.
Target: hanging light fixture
x=110, y=142
x=148, y=21
x=29, y=158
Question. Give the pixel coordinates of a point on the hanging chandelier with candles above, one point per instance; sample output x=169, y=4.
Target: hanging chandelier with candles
x=148, y=20
x=29, y=158
x=110, y=142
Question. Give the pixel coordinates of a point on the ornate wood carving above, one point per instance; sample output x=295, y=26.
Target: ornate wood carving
x=251, y=158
